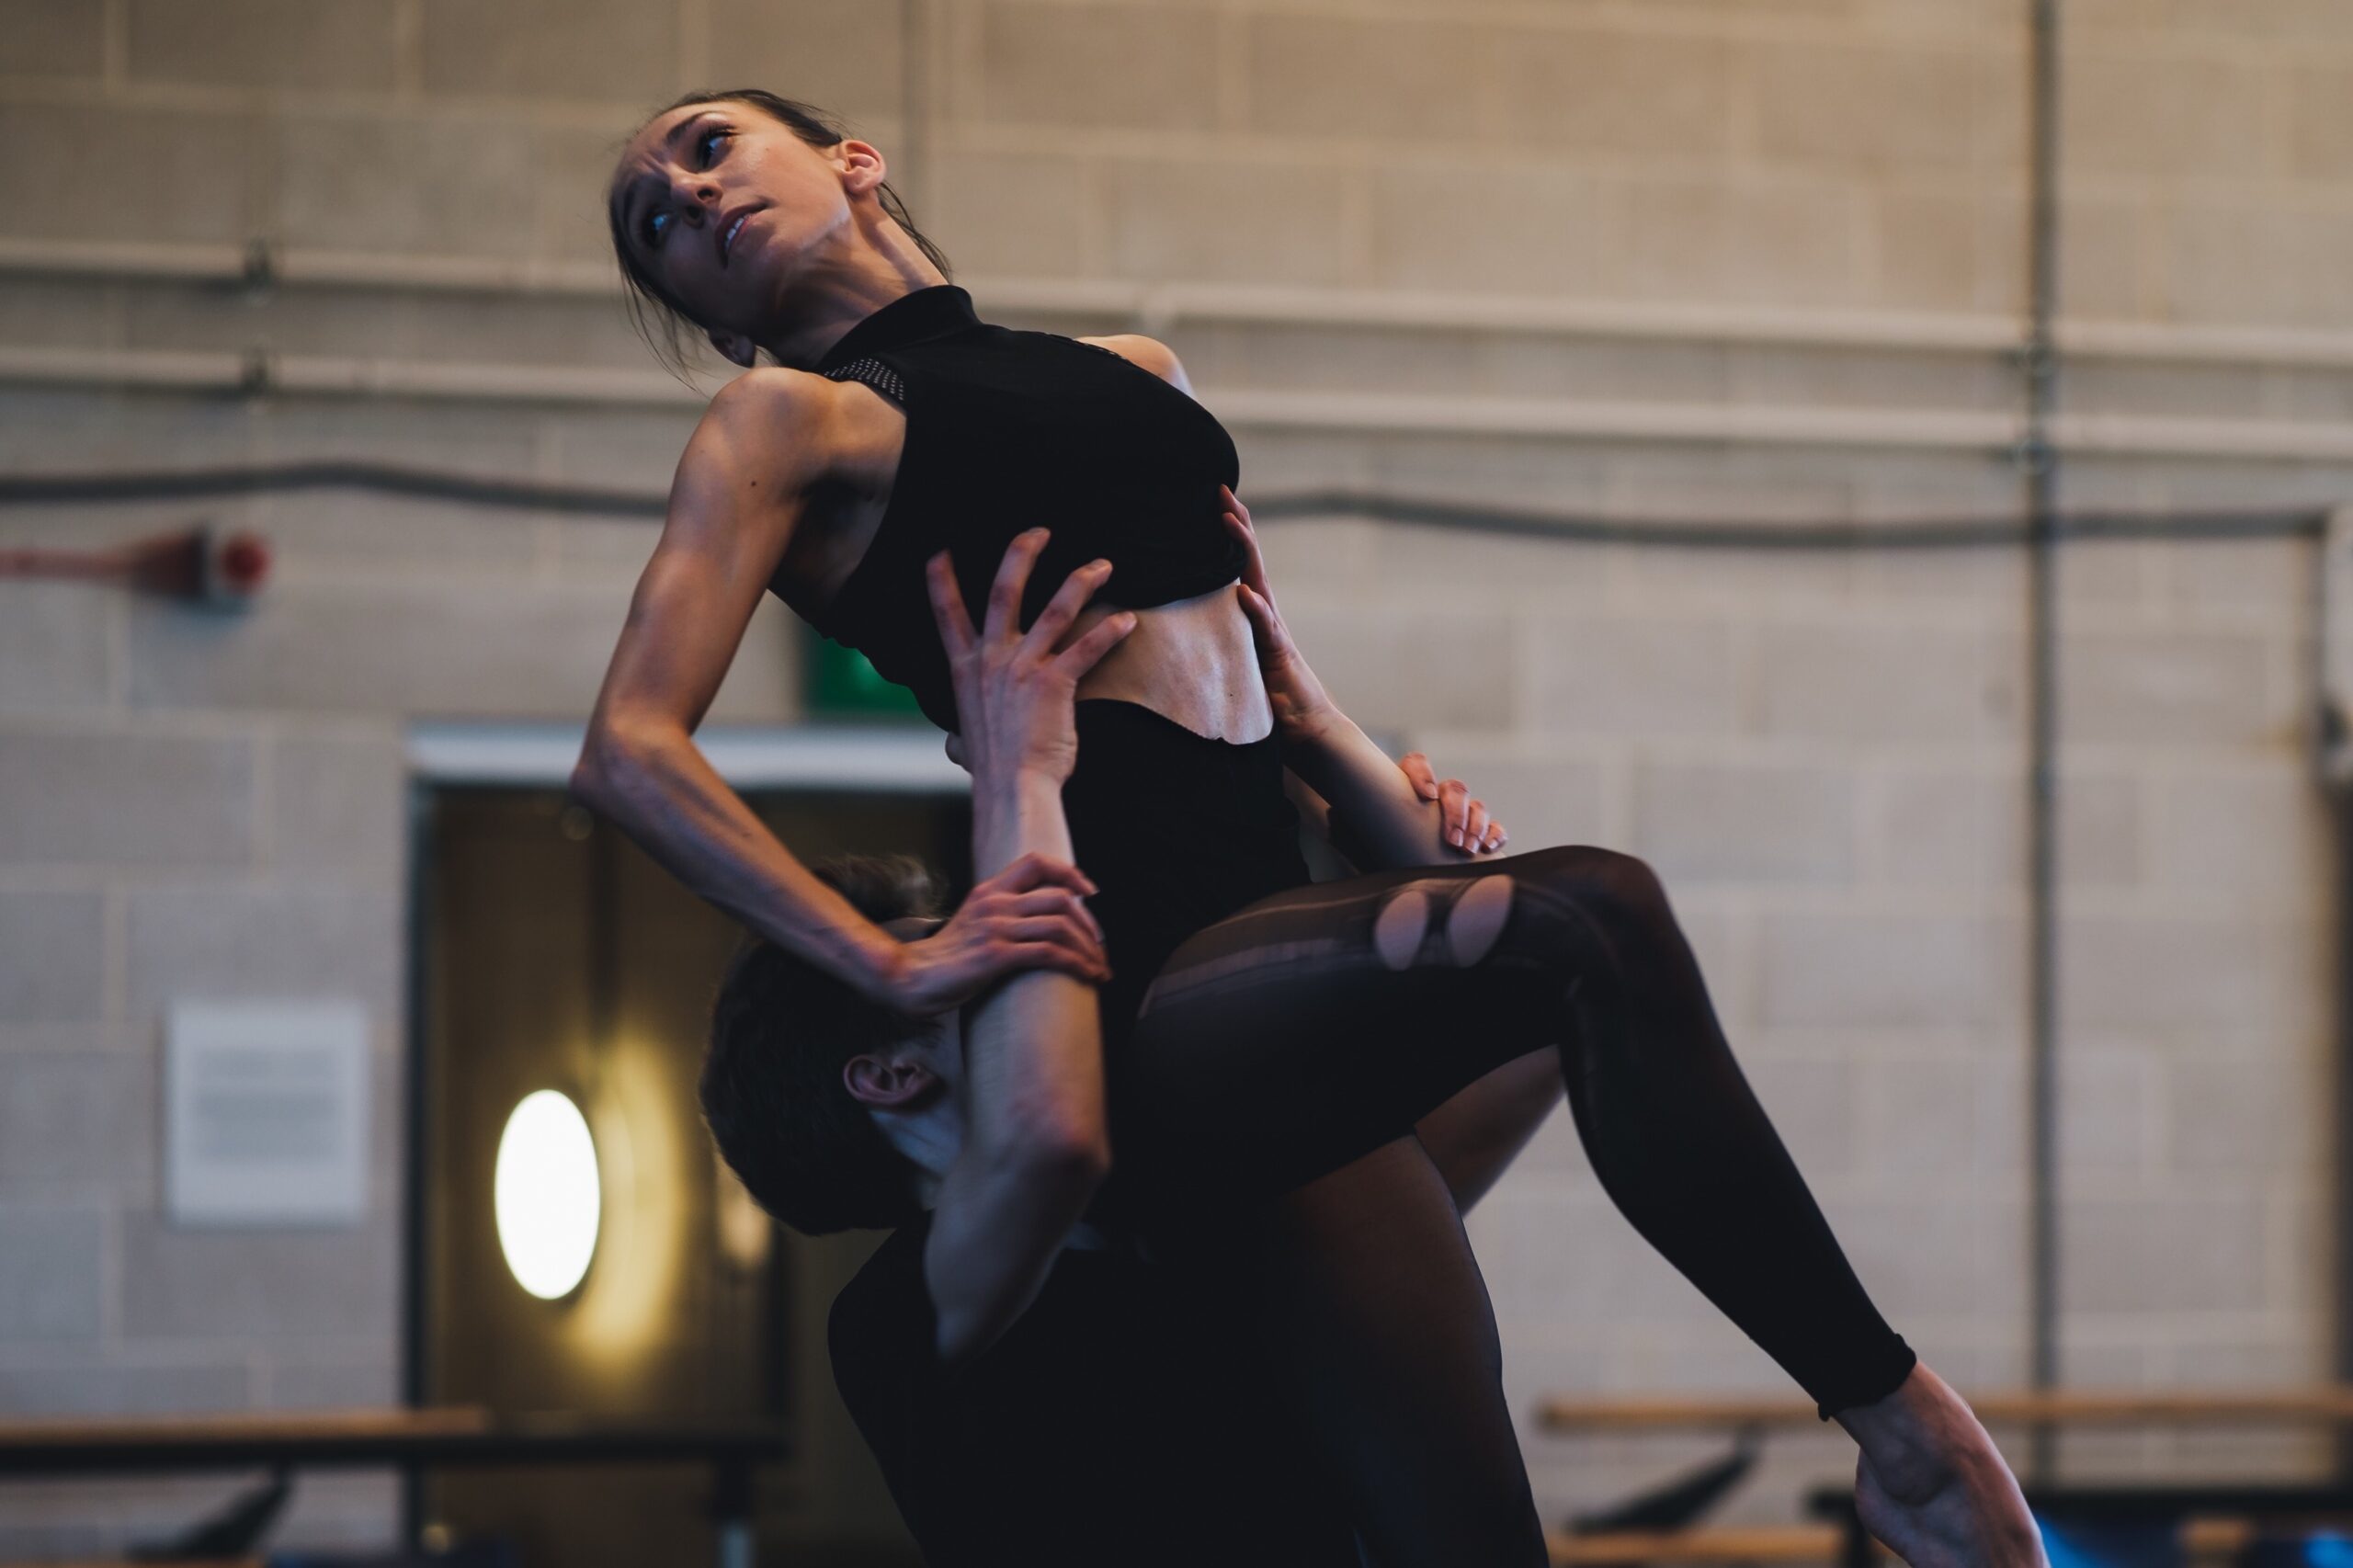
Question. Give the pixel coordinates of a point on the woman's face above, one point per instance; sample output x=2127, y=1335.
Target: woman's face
x=726, y=207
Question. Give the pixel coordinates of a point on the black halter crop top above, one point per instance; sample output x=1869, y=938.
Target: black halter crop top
x=1008, y=430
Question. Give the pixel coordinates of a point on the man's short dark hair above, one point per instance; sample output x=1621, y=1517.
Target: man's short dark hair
x=781, y=1031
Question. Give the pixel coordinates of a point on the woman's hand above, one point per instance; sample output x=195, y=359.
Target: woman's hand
x=1465, y=823
x=1302, y=711
x=1014, y=689
x=1026, y=916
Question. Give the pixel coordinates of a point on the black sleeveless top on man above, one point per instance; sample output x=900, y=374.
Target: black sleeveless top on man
x=1008, y=430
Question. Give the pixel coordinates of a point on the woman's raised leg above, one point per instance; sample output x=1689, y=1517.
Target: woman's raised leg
x=1320, y=1024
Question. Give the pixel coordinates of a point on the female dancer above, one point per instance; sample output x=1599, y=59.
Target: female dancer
x=917, y=426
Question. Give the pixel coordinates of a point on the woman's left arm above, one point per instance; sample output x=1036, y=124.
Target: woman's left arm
x=1398, y=813
x=1398, y=809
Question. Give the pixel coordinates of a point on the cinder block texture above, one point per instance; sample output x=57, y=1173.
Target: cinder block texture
x=53, y=955
x=1400, y=667
x=1138, y=67
x=75, y=1121
x=1893, y=684
x=50, y=1288
x=1620, y=674
x=1255, y=220
x=554, y=49
x=1388, y=80
x=2182, y=1252
x=419, y=646
x=1755, y=823
x=337, y=802
x=56, y=647
x=346, y=44
x=95, y=1388
x=227, y=941
x=1928, y=971
x=171, y=175
x=218, y=1285
x=1904, y=108
x=51, y=38
x=848, y=60
x=465, y=185
x=1650, y=96
x=125, y=799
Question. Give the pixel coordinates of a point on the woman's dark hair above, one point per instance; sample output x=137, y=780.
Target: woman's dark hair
x=662, y=321
x=781, y=1031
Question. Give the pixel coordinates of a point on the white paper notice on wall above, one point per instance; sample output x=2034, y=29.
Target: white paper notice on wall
x=265, y=1113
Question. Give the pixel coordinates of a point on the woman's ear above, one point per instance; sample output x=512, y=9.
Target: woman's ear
x=886, y=1085
x=736, y=346
x=863, y=161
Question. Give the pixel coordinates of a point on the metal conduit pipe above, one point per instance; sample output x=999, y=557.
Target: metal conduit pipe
x=1990, y=432
x=2003, y=532
x=259, y=266
x=2039, y=456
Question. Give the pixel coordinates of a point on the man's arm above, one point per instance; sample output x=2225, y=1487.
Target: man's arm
x=1035, y=1144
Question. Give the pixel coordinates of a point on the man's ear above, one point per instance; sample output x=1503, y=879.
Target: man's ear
x=736, y=346
x=886, y=1085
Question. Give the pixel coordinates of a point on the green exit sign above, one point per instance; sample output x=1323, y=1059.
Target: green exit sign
x=843, y=685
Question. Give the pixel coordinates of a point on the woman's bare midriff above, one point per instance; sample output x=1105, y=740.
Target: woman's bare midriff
x=1191, y=661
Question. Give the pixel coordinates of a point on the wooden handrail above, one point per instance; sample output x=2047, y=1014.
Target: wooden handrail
x=248, y=1426
x=2076, y=1407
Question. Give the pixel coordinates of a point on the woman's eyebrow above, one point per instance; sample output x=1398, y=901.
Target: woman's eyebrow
x=670, y=144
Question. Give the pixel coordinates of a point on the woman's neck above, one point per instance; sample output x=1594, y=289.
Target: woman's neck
x=884, y=266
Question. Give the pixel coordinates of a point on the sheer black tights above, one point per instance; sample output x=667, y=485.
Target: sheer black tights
x=1317, y=1026
x=1375, y=1328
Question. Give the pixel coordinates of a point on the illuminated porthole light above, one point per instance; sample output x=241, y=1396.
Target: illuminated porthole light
x=546, y=1194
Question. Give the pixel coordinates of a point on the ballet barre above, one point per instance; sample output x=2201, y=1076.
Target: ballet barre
x=2327, y=1403
x=448, y=1437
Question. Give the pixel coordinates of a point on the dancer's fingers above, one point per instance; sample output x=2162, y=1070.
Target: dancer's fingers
x=1013, y=958
x=1063, y=608
x=947, y=607
x=1273, y=636
x=1004, y=621
x=1034, y=869
x=1254, y=565
x=1051, y=900
x=1417, y=767
x=1453, y=808
x=1082, y=656
x=1233, y=503
x=1061, y=930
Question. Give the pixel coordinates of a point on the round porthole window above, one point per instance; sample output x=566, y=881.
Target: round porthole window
x=546, y=1194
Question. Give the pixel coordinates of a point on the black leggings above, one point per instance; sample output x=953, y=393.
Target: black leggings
x=1315, y=1026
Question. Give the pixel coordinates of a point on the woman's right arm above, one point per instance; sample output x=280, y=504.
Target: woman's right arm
x=734, y=500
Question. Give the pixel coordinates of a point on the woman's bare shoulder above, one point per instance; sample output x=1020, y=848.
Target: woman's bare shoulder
x=770, y=424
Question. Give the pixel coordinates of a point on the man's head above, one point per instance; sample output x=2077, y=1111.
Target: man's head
x=834, y=1110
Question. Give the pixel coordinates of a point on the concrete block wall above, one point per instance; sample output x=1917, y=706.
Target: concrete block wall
x=1821, y=751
